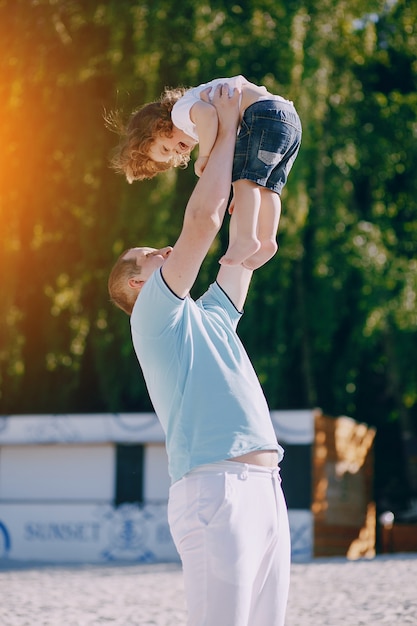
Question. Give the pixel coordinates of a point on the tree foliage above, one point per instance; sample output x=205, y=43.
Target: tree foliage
x=331, y=320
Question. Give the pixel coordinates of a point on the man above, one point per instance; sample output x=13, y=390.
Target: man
x=226, y=509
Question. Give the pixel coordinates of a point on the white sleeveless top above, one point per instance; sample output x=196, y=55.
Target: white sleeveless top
x=180, y=113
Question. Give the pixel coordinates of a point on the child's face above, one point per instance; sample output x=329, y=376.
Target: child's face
x=164, y=148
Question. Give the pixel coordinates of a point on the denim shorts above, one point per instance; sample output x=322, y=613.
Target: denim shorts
x=267, y=143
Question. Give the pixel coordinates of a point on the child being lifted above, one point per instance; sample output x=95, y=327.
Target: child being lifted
x=161, y=135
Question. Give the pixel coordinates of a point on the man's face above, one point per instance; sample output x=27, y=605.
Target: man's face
x=148, y=260
x=164, y=148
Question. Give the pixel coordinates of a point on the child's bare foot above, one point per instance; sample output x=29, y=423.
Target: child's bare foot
x=239, y=251
x=264, y=254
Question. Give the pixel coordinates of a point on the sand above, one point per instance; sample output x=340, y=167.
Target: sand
x=331, y=592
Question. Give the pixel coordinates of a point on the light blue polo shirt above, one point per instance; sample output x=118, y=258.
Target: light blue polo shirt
x=201, y=382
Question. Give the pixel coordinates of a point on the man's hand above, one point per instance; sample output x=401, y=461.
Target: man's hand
x=227, y=106
x=205, y=115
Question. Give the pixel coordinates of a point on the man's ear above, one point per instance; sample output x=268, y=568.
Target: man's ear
x=135, y=284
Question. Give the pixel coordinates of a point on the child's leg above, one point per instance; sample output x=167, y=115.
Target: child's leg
x=268, y=221
x=247, y=200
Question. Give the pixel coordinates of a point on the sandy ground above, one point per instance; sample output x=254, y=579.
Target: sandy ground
x=332, y=592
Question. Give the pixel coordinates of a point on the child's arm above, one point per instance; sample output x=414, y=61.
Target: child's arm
x=204, y=116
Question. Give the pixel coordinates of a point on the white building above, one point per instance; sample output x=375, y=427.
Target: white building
x=94, y=488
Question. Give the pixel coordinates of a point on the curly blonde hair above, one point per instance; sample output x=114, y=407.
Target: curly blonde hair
x=131, y=156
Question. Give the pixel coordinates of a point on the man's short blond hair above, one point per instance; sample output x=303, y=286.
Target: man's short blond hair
x=120, y=293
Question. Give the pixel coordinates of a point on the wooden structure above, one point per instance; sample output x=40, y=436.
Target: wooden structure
x=342, y=504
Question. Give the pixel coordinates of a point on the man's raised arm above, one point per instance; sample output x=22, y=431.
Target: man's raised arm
x=207, y=205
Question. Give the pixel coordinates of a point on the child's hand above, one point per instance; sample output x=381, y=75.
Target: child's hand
x=200, y=164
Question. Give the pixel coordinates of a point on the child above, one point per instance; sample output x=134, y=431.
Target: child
x=161, y=135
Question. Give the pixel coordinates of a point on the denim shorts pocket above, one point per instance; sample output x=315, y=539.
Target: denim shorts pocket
x=273, y=146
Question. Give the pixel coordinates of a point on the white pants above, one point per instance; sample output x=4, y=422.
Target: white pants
x=229, y=522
